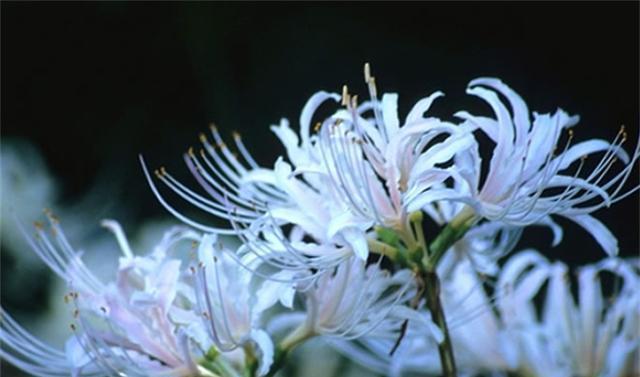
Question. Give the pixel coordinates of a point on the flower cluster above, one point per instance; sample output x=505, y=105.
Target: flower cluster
x=333, y=245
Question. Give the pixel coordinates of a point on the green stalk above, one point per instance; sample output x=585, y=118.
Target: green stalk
x=445, y=349
x=451, y=233
x=291, y=341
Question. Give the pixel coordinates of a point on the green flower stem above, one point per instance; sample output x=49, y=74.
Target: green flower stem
x=451, y=233
x=250, y=362
x=416, y=221
x=445, y=349
x=299, y=335
x=213, y=366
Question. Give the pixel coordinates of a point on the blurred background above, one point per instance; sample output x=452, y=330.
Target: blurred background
x=86, y=87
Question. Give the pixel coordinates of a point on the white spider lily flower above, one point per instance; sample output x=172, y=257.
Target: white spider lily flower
x=258, y=201
x=589, y=335
x=526, y=182
x=355, y=173
x=125, y=326
x=479, y=340
x=333, y=232
x=356, y=300
x=380, y=166
x=228, y=303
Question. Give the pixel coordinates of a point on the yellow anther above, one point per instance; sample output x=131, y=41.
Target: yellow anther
x=317, y=127
x=190, y=152
x=367, y=72
x=345, y=95
x=236, y=135
x=202, y=137
x=213, y=127
x=222, y=145
x=38, y=225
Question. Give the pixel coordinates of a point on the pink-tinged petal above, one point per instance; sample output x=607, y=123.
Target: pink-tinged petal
x=501, y=163
x=307, y=113
x=518, y=106
x=390, y=113
x=468, y=164
x=472, y=122
x=379, y=197
x=543, y=138
x=421, y=107
x=165, y=283
x=416, y=202
x=599, y=231
x=441, y=152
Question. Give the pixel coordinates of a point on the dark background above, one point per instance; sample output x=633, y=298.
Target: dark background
x=94, y=84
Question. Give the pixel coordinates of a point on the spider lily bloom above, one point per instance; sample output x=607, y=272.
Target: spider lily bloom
x=594, y=335
x=229, y=306
x=480, y=342
x=258, y=202
x=526, y=182
x=380, y=166
x=357, y=172
x=356, y=301
x=125, y=326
